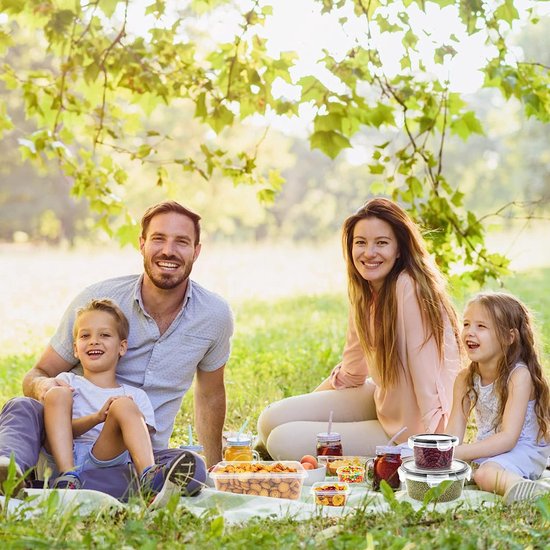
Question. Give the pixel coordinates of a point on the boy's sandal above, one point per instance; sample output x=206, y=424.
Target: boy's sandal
x=67, y=481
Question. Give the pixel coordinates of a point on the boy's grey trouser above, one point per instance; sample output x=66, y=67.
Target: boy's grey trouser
x=22, y=433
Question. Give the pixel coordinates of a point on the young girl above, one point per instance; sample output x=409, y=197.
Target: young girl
x=401, y=356
x=505, y=387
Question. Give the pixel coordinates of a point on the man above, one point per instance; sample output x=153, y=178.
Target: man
x=177, y=329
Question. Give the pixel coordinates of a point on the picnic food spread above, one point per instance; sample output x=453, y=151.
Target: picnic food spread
x=282, y=479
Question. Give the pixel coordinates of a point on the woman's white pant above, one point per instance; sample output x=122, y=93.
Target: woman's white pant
x=289, y=427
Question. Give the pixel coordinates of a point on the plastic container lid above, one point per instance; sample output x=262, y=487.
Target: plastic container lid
x=441, y=442
x=328, y=437
x=342, y=488
x=458, y=470
x=243, y=441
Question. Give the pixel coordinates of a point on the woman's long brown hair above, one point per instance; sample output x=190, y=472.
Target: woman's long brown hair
x=430, y=288
x=510, y=316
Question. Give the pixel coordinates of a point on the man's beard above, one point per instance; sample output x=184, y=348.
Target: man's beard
x=167, y=281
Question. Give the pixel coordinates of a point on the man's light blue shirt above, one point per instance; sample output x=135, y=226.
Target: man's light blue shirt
x=162, y=365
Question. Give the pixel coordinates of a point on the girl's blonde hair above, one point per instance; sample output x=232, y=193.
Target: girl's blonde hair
x=510, y=317
x=414, y=259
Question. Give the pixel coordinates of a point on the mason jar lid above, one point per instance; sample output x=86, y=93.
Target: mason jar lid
x=387, y=450
x=457, y=471
x=325, y=437
x=441, y=442
x=243, y=441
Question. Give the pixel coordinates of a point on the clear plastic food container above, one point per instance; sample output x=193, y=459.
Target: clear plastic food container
x=351, y=474
x=419, y=481
x=334, y=462
x=277, y=479
x=433, y=451
x=326, y=493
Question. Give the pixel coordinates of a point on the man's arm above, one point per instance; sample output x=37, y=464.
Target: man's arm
x=40, y=378
x=210, y=412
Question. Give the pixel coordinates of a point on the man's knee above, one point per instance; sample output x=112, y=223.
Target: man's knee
x=23, y=406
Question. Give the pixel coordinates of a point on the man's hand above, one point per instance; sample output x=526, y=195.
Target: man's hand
x=40, y=378
x=42, y=385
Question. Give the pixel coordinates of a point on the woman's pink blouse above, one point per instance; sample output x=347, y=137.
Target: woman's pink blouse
x=422, y=397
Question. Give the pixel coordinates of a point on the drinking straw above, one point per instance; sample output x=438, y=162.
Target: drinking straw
x=190, y=432
x=397, y=435
x=245, y=424
x=330, y=421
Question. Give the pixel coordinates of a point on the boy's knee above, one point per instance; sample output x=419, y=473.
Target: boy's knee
x=58, y=394
x=123, y=404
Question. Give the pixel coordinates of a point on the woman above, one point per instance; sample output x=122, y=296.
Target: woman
x=402, y=348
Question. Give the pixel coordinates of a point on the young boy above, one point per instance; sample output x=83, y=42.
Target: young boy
x=92, y=421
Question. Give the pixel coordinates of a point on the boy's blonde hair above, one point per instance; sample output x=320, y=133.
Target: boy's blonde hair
x=104, y=304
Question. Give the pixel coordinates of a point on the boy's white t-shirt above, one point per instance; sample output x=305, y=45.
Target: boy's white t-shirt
x=89, y=398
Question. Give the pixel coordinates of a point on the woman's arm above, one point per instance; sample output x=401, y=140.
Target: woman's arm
x=520, y=387
x=353, y=370
x=461, y=407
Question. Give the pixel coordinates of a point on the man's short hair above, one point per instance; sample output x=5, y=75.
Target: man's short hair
x=170, y=206
x=104, y=304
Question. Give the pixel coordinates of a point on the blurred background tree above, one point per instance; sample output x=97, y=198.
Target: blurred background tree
x=110, y=115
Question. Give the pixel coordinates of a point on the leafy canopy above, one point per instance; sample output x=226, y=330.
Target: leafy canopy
x=92, y=98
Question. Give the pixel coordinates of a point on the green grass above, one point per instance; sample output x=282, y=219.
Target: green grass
x=283, y=348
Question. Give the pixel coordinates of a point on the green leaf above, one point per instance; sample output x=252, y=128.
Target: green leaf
x=109, y=6
x=331, y=143
x=507, y=12
x=466, y=125
x=200, y=109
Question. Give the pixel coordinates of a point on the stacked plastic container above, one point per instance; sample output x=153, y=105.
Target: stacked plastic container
x=432, y=464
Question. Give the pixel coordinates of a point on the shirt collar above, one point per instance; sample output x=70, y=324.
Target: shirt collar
x=138, y=298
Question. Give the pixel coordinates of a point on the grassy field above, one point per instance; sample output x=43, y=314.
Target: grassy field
x=282, y=346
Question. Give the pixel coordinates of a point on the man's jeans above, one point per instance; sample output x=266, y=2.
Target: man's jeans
x=22, y=433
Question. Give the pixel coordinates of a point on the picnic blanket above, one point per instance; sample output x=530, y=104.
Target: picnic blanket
x=237, y=508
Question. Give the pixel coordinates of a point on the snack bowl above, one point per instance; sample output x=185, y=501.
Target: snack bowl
x=433, y=451
x=419, y=481
x=334, y=462
x=351, y=473
x=327, y=493
x=277, y=479
x=315, y=475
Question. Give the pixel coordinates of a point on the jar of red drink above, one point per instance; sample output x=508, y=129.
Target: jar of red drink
x=329, y=444
x=385, y=466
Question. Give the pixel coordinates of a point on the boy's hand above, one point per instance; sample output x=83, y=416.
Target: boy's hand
x=102, y=413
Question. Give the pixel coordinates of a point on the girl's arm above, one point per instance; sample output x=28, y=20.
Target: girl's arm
x=461, y=407
x=519, y=391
